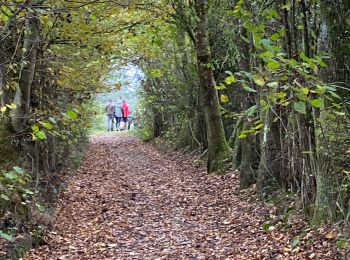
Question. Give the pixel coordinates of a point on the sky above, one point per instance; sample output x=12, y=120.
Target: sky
x=130, y=77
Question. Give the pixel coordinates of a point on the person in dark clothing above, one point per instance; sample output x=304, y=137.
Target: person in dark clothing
x=118, y=114
x=110, y=109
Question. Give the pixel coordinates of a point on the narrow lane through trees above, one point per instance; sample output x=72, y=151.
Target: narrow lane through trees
x=130, y=201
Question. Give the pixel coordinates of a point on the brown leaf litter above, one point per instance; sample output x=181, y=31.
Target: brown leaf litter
x=130, y=201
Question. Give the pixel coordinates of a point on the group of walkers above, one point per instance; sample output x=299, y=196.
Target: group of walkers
x=118, y=116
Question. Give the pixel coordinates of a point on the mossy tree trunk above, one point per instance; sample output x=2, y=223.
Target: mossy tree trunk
x=218, y=149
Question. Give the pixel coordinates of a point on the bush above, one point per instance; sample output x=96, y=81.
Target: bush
x=14, y=199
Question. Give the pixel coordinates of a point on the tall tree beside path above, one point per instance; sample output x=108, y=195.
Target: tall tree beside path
x=218, y=149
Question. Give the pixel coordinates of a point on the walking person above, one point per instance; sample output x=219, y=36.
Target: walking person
x=118, y=114
x=126, y=114
x=110, y=110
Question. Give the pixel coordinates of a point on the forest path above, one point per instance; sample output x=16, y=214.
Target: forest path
x=129, y=201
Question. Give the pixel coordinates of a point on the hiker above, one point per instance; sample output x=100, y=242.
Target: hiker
x=126, y=113
x=118, y=114
x=110, y=109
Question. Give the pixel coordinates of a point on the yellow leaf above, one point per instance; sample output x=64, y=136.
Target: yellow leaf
x=259, y=80
x=3, y=109
x=12, y=106
x=224, y=98
x=287, y=249
x=230, y=80
x=331, y=235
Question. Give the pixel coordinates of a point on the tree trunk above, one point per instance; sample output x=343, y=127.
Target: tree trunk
x=3, y=100
x=26, y=75
x=269, y=164
x=333, y=38
x=236, y=144
x=218, y=149
x=249, y=159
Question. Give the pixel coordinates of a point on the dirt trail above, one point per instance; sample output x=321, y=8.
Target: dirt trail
x=129, y=201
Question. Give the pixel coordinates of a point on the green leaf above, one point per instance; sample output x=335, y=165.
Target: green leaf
x=318, y=102
x=267, y=44
x=282, y=32
x=322, y=64
x=224, y=98
x=18, y=170
x=333, y=94
x=5, y=235
x=220, y=87
x=275, y=36
x=245, y=39
x=272, y=64
x=339, y=113
x=250, y=111
x=53, y=120
x=302, y=97
x=35, y=128
x=264, y=105
x=72, y=114
x=273, y=13
x=279, y=95
x=242, y=136
x=10, y=175
x=259, y=126
x=304, y=57
x=303, y=91
x=247, y=88
x=41, y=135
x=272, y=84
x=47, y=125
x=300, y=107
x=230, y=80
x=266, y=54
x=321, y=89
x=293, y=62
x=4, y=197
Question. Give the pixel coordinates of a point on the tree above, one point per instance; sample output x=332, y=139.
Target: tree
x=218, y=150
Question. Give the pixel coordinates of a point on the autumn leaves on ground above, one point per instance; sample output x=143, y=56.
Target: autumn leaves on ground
x=130, y=201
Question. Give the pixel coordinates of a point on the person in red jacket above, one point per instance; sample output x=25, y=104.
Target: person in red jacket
x=126, y=113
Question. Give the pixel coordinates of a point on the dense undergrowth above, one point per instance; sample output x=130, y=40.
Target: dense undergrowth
x=29, y=191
